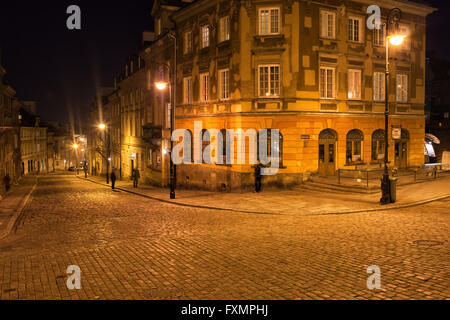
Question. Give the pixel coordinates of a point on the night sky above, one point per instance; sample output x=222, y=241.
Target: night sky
x=61, y=69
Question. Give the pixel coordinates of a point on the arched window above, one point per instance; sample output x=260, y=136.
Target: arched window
x=224, y=145
x=354, y=146
x=274, y=146
x=188, y=152
x=206, y=141
x=378, y=145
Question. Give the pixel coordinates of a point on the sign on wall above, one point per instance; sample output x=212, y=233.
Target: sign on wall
x=396, y=133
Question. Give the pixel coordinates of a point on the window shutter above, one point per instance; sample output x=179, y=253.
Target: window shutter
x=358, y=84
x=324, y=25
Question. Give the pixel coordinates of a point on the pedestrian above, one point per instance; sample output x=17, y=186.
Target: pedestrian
x=113, y=179
x=258, y=177
x=7, y=182
x=136, y=177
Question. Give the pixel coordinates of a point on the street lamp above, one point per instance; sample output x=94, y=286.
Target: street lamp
x=104, y=128
x=396, y=39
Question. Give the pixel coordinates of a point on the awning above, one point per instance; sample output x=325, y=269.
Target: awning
x=431, y=138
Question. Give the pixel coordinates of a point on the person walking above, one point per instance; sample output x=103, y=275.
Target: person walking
x=258, y=177
x=7, y=182
x=113, y=179
x=136, y=177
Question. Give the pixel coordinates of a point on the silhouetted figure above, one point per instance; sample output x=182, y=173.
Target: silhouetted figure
x=7, y=182
x=136, y=176
x=113, y=179
x=258, y=168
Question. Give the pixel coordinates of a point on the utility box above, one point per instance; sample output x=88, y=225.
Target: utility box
x=393, y=189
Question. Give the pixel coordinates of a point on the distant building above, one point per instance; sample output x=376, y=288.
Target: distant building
x=34, y=154
x=9, y=131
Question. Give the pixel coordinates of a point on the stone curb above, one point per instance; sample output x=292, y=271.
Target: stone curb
x=386, y=208
x=17, y=214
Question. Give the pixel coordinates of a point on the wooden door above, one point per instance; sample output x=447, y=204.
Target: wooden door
x=327, y=158
x=401, y=154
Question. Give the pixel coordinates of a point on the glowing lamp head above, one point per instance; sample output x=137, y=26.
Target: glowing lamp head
x=75, y=146
x=397, y=39
x=161, y=85
x=102, y=126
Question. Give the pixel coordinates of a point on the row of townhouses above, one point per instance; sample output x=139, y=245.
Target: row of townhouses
x=28, y=146
x=311, y=69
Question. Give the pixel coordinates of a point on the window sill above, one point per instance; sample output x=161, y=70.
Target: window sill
x=223, y=43
x=263, y=37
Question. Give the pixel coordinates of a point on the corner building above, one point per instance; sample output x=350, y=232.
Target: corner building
x=311, y=69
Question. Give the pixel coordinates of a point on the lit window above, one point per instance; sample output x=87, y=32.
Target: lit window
x=327, y=83
x=402, y=88
x=269, y=21
x=327, y=27
x=204, y=34
x=224, y=86
x=355, y=29
x=379, y=36
x=204, y=87
x=269, y=80
x=224, y=29
x=354, y=84
x=378, y=86
x=187, y=89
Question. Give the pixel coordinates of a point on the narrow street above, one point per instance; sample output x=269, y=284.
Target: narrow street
x=129, y=247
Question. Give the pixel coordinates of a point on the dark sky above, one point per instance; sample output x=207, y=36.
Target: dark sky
x=61, y=69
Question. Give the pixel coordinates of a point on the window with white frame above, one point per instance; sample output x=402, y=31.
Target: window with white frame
x=224, y=29
x=379, y=36
x=269, y=21
x=224, y=84
x=204, y=35
x=402, y=88
x=327, y=82
x=354, y=84
x=269, y=80
x=187, y=42
x=204, y=87
x=187, y=90
x=355, y=29
x=327, y=24
x=378, y=86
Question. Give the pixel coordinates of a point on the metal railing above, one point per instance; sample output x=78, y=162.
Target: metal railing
x=368, y=175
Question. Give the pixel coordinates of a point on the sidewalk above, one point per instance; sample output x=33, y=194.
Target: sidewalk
x=292, y=202
x=12, y=203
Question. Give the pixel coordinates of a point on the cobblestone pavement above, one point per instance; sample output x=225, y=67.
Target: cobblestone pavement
x=129, y=247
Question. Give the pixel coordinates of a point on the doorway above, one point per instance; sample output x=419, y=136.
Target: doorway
x=132, y=169
x=327, y=152
x=401, y=151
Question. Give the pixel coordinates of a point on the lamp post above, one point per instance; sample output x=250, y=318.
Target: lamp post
x=162, y=86
x=75, y=147
x=84, y=140
x=171, y=85
x=395, y=39
x=104, y=128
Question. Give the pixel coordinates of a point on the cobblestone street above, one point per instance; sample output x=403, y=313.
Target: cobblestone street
x=129, y=247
